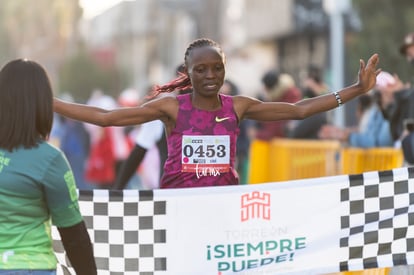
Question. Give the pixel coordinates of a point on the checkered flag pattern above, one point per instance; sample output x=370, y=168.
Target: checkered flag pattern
x=377, y=214
x=127, y=229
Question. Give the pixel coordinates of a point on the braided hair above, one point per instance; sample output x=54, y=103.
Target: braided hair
x=183, y=82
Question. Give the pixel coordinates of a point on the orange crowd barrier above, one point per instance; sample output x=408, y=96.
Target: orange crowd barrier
x=356, y=160
x=289, y=159
x=259, y=162
x=299, y=159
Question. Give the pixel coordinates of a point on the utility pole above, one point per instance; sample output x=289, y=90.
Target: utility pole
x=336, y=9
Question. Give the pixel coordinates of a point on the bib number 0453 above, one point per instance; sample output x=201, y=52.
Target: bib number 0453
x=200, y=152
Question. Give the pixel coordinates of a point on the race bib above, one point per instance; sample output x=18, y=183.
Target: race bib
x=205, y=153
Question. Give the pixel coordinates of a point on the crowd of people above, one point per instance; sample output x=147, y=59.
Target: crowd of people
x=197, y=128
x=116, y=157
x=192, y=119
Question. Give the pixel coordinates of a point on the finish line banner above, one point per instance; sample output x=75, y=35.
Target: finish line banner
x=310, y=226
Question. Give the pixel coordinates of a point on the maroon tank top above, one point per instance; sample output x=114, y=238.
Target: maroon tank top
x=202, y=146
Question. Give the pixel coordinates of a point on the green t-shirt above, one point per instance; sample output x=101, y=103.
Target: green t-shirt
x=37, y=188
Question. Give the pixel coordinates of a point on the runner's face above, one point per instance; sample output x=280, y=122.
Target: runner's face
x=206, y=70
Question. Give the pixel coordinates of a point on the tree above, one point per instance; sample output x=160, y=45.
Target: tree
x=384, y=25
x=81, y=74
x=42, y=30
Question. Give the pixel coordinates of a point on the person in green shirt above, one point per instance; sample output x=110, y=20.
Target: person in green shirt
x=37, y=187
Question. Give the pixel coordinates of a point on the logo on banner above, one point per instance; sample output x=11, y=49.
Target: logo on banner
x=255, y=205
x=248, y=252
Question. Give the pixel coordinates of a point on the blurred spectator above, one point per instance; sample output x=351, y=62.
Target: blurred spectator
x=309, y=128
x=269, y=80
x=109, y=146
x=313, y=85
x=402, y=111
x=278, y=88
x=330, y=131
x=129, y=98
x=373, y=129
x=57, y=130
x=75, y=143
x=398, y=96
x=142, y=167
x=407, y=48
x=148, y=156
